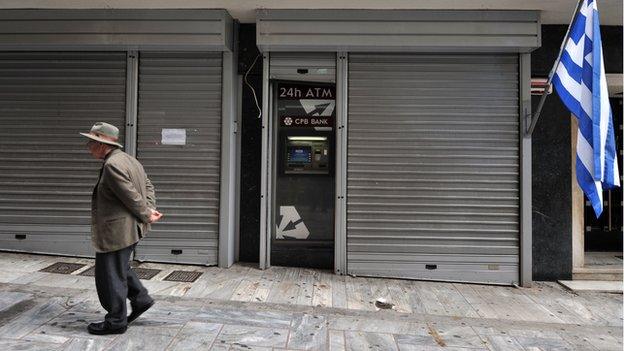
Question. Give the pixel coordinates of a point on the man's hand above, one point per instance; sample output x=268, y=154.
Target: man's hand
x=155, y=216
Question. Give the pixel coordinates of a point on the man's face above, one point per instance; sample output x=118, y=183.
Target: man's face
x=96, y=149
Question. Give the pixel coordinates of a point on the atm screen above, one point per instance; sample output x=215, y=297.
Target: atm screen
x=299, y=154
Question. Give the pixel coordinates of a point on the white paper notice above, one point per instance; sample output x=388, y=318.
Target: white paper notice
x=173, y=136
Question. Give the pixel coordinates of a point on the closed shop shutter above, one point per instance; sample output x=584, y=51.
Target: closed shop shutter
x=46, y=172
x=433, y=167
x=178, y=143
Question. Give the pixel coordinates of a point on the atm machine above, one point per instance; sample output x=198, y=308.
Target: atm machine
x=303, y=185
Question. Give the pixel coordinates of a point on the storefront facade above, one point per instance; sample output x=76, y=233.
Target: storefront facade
x=165, y=78
x=388, y=143
x=432, y=178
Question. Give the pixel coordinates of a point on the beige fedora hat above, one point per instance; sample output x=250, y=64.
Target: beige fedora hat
x=104, y=133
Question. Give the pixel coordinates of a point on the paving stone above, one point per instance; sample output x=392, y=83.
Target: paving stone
x=336, y=340
x=30, y=320
x=10, y=276
x=414, y=342
x=38, y=337
x=156, y=287
x=25, y=263
x=544, y=344
x=387, y=326
x=455, y=336
x=579, y=342
x=88, y=306
x=358, y=341
x=63, y=281
x=252, y=336
x=28, y=278
x=236, y=347
x=503, y=343
x=308, y=332
x=23, y=345
x=244, y=317
x=86, y=344
x=513, y=331
x=145, y=338
x=9, y=299
x=600, y=341
x=593, y=285
x=166, y=311
x=70, y=324
x=438, y=348
x=195, y=336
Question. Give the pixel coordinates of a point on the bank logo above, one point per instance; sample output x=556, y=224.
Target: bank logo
x=291, y=225
x=318, y=107
x=288, y=121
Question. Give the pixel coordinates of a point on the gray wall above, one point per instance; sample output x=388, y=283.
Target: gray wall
x=398, y=30
x=97, y=29
x=552, y=178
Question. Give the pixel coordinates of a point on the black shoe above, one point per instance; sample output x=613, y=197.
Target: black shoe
x=104, y=328
x=138, y=311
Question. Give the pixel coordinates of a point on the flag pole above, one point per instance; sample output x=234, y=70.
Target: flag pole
x=537, y=113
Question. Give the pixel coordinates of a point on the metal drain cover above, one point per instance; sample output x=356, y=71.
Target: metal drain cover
x=183, y=276
x=63, y=268
x=90, y=272
x=146, y=273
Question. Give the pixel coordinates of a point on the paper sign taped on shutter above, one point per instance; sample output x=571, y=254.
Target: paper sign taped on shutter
x=173, y=136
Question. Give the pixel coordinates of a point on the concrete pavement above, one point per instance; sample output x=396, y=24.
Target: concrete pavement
x=42, y=311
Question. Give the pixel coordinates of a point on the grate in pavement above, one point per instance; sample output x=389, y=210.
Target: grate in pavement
x=90, y=272
x=62, y=268
x=146, y=273
x=183, y=276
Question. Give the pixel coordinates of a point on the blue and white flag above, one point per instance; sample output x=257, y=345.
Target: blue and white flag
x=581, y=84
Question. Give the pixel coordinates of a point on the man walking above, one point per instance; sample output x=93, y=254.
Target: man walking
x=123, y=205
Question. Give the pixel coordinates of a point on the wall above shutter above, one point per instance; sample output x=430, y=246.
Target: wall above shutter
x=208, y=30
x=398, y=30
x=303, y=66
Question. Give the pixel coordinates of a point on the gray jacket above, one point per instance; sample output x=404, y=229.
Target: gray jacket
x=121, y=203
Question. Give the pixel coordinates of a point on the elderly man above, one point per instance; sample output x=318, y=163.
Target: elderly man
x=123, y=206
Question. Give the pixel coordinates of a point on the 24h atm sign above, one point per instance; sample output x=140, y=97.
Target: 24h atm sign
x=306, y=105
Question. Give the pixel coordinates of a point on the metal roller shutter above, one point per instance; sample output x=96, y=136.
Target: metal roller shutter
x=181, y=91
x=433, y=167
x=46, y=172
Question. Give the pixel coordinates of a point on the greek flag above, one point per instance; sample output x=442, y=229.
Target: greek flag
x=581, y=84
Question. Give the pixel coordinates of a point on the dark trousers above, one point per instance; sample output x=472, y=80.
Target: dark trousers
x=115, y=281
